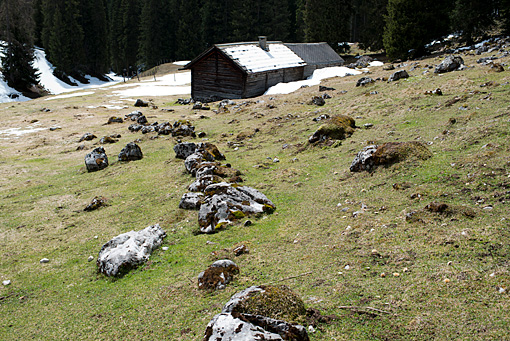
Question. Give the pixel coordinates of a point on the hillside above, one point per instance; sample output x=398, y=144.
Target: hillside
x=358, y=245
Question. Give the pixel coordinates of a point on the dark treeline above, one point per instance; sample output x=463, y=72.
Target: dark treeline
x=95, y=36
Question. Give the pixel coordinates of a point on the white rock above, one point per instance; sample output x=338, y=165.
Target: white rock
x=311, y=329
x=44, y=260
x=91, y=258
x=6, y=283
x=165, y=248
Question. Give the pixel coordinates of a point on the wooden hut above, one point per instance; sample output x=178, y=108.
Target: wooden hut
x=243, y=70
x=316, y=56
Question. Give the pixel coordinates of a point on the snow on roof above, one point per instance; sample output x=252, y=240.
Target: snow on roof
x=254, y=59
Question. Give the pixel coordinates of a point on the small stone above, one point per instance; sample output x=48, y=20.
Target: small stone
x=347, y=267
x=275, y=160
x=44, y=260
x=6, y=283
x=446, y=280
x=501, y=290
x=405, y=270
x=91, y=258
x=383, y=274
x=449, y=263
x=311, y=329
x=165, y=248
x=396, y=274
x=248, y=223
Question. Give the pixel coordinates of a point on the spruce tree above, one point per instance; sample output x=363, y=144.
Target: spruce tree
x=411, y=24
x=16, y=27
x=473, y=17
x=189, y=38
x=157, y=32
x=217, y=21
x=328, y=20
x=367, y=23
x=92, y=21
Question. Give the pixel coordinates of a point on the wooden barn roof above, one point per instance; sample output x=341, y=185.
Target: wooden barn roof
x=250, y=58
x=315, y=53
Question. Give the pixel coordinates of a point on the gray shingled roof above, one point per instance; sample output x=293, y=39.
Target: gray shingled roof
x=315, y=53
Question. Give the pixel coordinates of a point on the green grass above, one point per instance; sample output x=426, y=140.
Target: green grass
x=305, y=244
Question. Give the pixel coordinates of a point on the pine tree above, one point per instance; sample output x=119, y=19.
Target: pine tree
x=157, y=32
x=16, y=25
x=411, y=24
x=124, y=35
x=92, y=21
x=367, y=23
x=473, y=17
x=62, y=37
x=217, y=21
x=505, y=15
x=327, y=20
x=189, y=38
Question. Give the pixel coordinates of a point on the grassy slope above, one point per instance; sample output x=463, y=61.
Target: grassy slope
x=44, y=188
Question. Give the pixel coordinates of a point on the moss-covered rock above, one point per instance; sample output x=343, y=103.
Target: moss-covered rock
x=277, y=302
x=392, y=152
x=338, y=127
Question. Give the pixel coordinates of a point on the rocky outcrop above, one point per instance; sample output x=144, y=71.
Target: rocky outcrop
x=218, y=275
x=388, y=153
x=191, y=201
x=450, y=63
x=224, y=202
x=363, y=81
x=96, y=160
x=337, y=127
x=129, y=250
x=258, y=313
x=131, y=152
x=398, y=75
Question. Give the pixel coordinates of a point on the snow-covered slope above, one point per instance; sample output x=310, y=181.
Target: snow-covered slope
x=48, y=80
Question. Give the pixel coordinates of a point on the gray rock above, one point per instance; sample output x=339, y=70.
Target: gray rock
x=141, y=103
x=142, y=120
x=87, y=137
x=131, y=152
x=129, y=250
x=318, y=100
x=398, y=75
x=135, y=127
x=96, y=160
x=90, y=259
x=224, y=203
x=201, y=183
x=191, y=201
x=450, y=63
x=6, y=282
x=185, y=149
x=44, y=260
x=217, y=275
x=363, y=81
x=233, y=325
x=363, y=160
x=133, y=116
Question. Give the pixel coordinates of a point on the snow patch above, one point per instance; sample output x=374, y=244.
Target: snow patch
x=167, y=85
x=182, y=62
x=315, y=79
x=75, y=94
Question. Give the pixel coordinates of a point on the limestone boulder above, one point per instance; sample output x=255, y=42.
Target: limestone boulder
x=363, y=81
x=131, y=152
x=191, y=201
x=398, y=75
x=96, y=160
x=259, y=313
x=450, y=63
x=185, y=149
x=129, y=250
x=225, y=202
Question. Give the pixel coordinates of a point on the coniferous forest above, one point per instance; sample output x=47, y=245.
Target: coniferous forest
x=96, y=36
